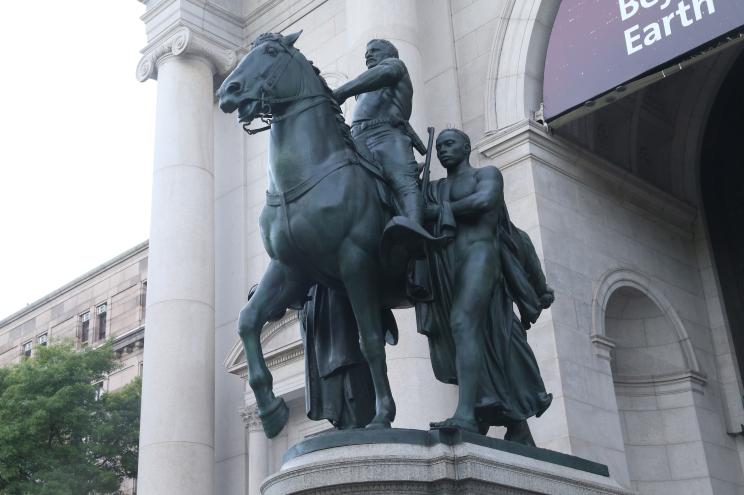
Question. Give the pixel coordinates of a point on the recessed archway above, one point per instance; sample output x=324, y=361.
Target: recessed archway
x=655, y=379
x=647, y=346
x=721, y=179
x=633, y=283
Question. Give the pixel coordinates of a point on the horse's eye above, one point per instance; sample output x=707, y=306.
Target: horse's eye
x=270, y=50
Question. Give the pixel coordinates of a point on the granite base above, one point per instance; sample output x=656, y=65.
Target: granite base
x=431, y=462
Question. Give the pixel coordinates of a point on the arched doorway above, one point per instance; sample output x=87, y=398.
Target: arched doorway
x=654, y=386
x=722, y=191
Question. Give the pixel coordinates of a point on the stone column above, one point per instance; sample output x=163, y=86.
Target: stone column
x=420, y=399
x=258, y=450
x=177, y=423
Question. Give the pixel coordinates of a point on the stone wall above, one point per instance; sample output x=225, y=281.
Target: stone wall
x=600, y=230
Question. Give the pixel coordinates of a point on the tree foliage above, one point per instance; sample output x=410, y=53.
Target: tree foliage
x=56, y=435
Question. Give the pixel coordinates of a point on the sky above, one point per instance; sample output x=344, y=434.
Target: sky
x=76, y=142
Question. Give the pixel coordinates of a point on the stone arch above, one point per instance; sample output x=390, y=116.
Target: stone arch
x=515, y=71
x=619, y=278
x=690, y=126
x=279, y=348
x=514, y=85
x=655, y=380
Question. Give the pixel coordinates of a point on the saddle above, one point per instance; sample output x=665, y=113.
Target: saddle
x=359, y=156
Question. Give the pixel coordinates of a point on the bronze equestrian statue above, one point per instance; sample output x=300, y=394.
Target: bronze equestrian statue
x=324, y=227
x=323, y=219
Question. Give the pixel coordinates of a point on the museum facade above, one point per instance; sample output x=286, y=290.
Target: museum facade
x=615, y=127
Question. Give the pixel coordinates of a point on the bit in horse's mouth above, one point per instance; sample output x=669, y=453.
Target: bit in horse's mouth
x=247, y=110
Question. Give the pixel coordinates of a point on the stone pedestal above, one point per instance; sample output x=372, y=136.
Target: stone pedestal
x=420, y=462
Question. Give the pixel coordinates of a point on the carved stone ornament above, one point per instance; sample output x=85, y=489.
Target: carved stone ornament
x=185, y=41
x=250, y=418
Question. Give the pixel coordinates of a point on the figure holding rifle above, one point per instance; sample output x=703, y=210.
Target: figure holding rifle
x=475, y=339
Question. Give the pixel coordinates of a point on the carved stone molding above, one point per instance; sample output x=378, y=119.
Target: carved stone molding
x=184, y=41
x=528, y=141
x=250, y=418
x=273, y=327
x=602, y=346
x=286, y=356
x=661, y=384
x=235, y=362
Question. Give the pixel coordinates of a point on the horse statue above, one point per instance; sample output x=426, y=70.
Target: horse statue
x=323, y=219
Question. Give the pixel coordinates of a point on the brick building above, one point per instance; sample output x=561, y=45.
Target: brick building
x=108, y=302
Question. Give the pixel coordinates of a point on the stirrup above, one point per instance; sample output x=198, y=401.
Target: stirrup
x=401, y=231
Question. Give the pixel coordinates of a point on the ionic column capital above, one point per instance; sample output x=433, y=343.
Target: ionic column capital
x=184, y=41
x=251, y=419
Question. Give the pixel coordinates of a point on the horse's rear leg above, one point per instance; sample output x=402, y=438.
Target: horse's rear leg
x=361, y=276
x=279, y=287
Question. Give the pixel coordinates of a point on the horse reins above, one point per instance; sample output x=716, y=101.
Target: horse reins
x=266, y=100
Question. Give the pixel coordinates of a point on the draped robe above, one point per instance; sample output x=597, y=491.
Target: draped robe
x=509, y=386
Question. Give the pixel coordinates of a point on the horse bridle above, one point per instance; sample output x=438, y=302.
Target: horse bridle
x=266, y=100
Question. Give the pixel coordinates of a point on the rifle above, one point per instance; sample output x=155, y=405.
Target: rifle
x=427, y=165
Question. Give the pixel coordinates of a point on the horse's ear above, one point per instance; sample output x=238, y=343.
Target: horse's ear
x=289, y=40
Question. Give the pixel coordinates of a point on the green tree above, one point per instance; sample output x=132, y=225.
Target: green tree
x=57, y=436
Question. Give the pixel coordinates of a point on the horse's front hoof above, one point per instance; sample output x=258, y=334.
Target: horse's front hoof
x=382, y=420
x=378, y=425
x=455, y=423
x=274, y=418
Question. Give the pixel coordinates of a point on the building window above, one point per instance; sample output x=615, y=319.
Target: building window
x=26, y=349
x=99, y=390
x=42, y=339
x=101, y=314
x=143, y=299
x=84, y=326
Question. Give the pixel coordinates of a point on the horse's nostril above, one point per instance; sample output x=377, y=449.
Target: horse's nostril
x=233, y=87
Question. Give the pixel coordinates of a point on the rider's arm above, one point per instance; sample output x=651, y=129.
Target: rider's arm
x=386, y=73
x=489, y=193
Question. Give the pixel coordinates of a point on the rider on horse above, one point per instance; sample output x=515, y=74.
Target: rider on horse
x=380, y=123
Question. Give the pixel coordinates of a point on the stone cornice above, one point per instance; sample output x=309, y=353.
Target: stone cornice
x=235, y=362
x=276, y=15
x=528, y=140
x=270, y=329
x=182, y=40
x=662, y=384
x=130, y=341
x=285, y=356
x=137, y=250
x=209, y=7
x=274, y=359
x=602, y=346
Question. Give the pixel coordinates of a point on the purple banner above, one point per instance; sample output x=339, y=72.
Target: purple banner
x=597, y=45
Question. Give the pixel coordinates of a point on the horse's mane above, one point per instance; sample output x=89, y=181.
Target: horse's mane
x=340, y=122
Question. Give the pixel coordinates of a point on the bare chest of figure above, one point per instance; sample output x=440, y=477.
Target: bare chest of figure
x=462, y=186
x=472, y=227
x=377, y=105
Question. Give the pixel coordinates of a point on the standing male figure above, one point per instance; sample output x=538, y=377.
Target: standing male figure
x=475, y=338
x=380, y=122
